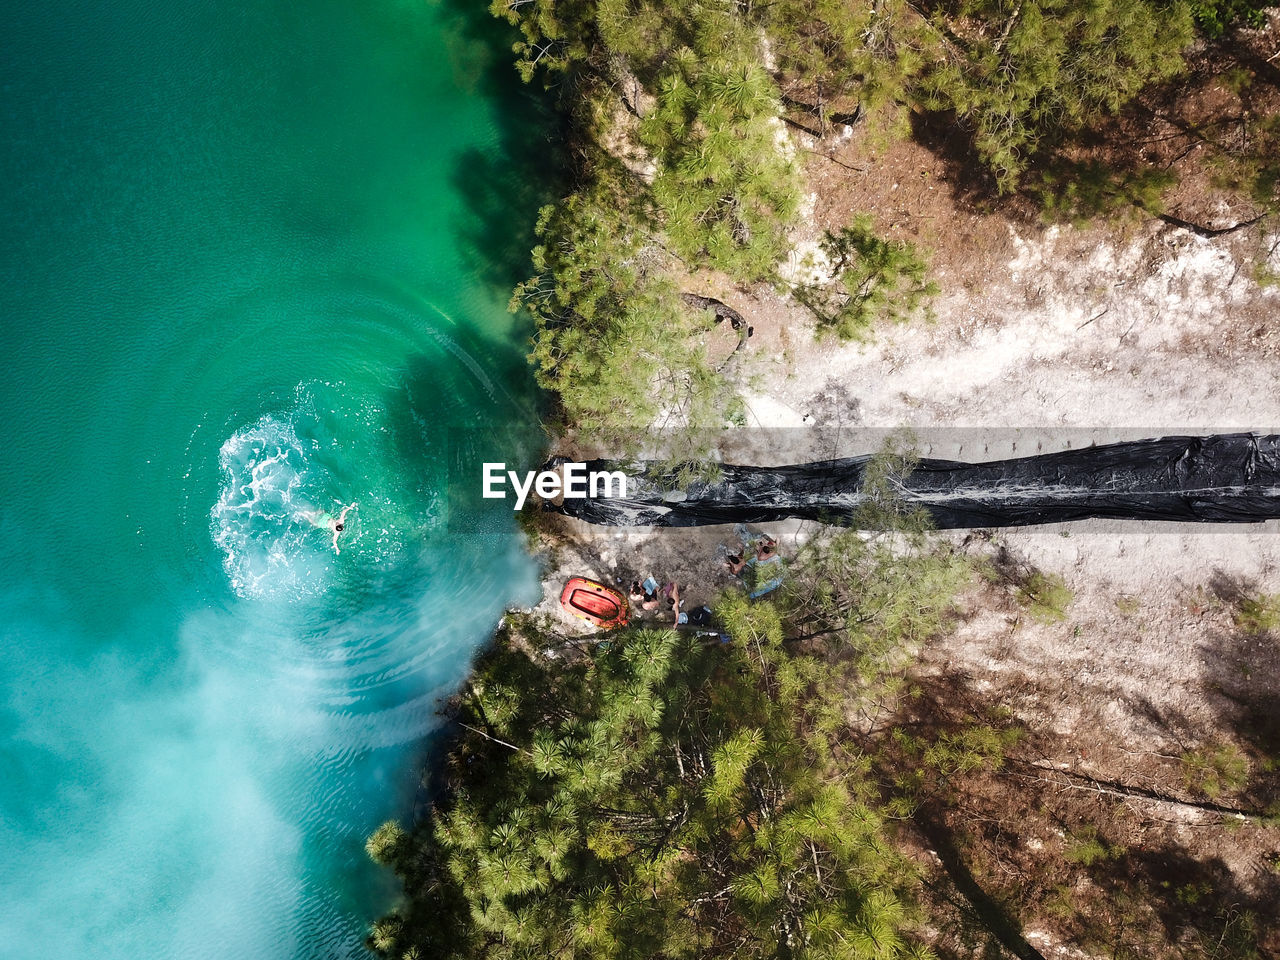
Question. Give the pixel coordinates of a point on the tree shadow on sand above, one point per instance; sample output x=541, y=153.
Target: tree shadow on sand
x=1212, y=118
x=1241, y=670
x=1085, y=853
x=1191, y=902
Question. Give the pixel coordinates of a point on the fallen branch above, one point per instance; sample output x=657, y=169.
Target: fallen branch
x=839, y=163
x=1111, y=788
x=1210, y=232
x=504, y=743
x=1096, y=316
x=722, y=311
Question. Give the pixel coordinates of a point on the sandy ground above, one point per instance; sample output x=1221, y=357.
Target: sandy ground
x=1166, y=330
x=1044, y=338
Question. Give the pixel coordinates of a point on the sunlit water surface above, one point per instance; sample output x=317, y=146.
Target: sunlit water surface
x=251, y=273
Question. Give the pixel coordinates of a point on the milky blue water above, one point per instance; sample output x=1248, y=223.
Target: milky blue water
x=253, y=269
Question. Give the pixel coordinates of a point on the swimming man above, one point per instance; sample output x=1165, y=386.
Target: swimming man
x=325, y=521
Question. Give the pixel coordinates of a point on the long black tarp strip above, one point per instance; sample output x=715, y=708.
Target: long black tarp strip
x=1228, y=478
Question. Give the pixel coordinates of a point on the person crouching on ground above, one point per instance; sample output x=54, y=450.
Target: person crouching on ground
x=645, y=593
x=762, y=572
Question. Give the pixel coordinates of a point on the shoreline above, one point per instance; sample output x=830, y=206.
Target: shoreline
x=1130, y=658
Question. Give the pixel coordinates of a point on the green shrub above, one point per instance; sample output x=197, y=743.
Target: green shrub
x=1128, y=605
x=1215, y=770
x=1214, y=17
x=1023, y=77
x=1046, y=596
x=1086, y=848
x=973, y=748
x=1259, y=614
x=875, y=280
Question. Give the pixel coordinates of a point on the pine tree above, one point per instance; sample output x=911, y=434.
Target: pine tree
x=664, y=799
x=614, y=342
x=724, y=186
x=1019, y=72
x=875, y=281
x=831, y=49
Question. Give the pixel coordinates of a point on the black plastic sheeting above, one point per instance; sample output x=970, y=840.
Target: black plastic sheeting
x=1230, y=478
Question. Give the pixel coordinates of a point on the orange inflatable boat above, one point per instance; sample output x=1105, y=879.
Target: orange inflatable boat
x=595, y=603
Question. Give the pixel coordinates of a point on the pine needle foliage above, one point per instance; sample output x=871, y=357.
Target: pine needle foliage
x=615, y=345
x=725, y=187
x=1215, y=17
x=1017, y=75
x=613, y=341
x=661, y=800
x=1020, y=72
x=871, y=52
x=662, y=797
x=875, y=592
x=874, y=281
x=386, y=843
x=556, y=36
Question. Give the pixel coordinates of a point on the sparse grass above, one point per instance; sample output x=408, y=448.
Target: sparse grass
x=1086, y=848
x=1191, y=894
x=1046, y=596
x=1215, y=770
x=1061, y=903
x=1259, y=614
x=1082, y=192
x=973, y=748
x=1237, y=939
x=1264, y=276
x=1128, y=605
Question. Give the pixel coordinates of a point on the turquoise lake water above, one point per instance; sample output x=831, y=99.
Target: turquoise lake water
x=254, y=265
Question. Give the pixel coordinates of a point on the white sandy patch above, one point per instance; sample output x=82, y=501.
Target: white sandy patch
x=786, y=148
x=807, y=263
x=770, y=413
x=1157, y=332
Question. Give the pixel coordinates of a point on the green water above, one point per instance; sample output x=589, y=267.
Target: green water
x=253, y=266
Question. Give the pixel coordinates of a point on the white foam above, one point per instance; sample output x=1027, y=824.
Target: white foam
x=270, y=548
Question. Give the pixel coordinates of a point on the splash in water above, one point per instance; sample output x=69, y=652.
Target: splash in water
x=290, y=478
x=262, y=522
